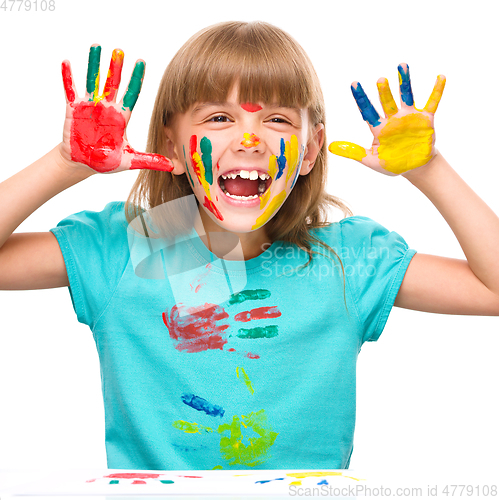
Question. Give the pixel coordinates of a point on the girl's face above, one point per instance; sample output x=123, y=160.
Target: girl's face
x=242, y=160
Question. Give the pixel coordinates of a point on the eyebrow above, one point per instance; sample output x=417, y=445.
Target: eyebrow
x=199, y=107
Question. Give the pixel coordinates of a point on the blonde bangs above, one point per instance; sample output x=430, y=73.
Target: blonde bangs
x=267, y=64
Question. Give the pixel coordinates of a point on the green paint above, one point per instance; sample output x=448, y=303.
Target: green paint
x=206, y=149
x=191, y=428
x=233, y=448
x=258, y=294
x=187, y=169
x=166, y=481
x=262, y=332
x=93, y=70
x=114, y=481
x=133, y=90
x=217, y=467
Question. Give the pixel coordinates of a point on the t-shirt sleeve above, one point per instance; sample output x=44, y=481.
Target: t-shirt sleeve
x=375, y=261
x=95, y=251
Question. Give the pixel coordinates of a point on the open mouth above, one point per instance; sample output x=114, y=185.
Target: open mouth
x=244, y=184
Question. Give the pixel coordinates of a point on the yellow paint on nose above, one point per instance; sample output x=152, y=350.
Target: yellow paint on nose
x=250, y=140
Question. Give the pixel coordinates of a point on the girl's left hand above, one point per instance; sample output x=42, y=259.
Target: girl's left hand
x=405, y=138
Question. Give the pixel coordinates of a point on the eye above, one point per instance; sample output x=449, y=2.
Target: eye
x=219, y=119
x=279, y=120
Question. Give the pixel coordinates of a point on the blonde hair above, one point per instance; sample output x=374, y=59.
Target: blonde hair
x=268, y=66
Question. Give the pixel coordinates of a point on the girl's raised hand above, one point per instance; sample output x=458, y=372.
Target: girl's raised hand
x=95, y=126
x=405, y=138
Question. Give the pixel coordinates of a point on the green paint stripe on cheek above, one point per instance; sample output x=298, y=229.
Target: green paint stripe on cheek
x=206, y=150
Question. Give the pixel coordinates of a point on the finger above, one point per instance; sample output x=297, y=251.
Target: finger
x=114, y=75
x=386, y=97
x=149, y=161
x=67, y=80
x=348, y=150
x=367, y=110
x=133, y=90
x=93, y=73
x=436, y=95
x=405, y=85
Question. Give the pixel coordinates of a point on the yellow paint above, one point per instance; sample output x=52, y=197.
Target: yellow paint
x=274, y=205
x=406, y=143
x=436, y=95
x=247, y=381
x=348, y=150
x=295, y=483
x=264, y=199
x=190, y=428
x=201, y=174
x=292, y=155
x=250, y=140
x=273, y=166
x=386, y=98
x=257, y=451
x=301, y=475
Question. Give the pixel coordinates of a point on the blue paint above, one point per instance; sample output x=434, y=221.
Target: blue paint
x=281, y=160
x=369, y=114
x=201, y=404
x=323, y=482
x=405, y=86
x=269, y=480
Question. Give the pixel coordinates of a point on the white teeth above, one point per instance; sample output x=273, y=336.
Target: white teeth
x=246, y=174
x=236, y=197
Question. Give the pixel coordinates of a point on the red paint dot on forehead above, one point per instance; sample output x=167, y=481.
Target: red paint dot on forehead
x=251, y=107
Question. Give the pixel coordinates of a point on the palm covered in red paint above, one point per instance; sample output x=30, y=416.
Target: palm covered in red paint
x=95, y=126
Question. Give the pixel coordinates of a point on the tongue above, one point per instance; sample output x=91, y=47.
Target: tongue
x=241, y=187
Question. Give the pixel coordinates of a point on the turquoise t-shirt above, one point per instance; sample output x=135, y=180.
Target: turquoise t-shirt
x=210, y=363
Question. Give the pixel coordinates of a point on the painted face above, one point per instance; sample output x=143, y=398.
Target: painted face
x=242, y=160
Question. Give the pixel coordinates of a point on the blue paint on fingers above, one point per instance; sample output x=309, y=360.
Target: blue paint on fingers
x=368, y=111
x=405, y=86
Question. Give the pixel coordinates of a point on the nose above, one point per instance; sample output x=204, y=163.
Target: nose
x=250, y=142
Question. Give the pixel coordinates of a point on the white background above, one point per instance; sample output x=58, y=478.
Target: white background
x=427, y=390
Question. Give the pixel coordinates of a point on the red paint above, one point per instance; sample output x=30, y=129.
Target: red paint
x=133, y=475
x=114, y=75
x=148, y=161
x=139, y=482
x=251, y=107
x=218, y=166
x=97, y=136
x=231, y=349
x=251, y=355
x=196, y=477
x=67, y=80
x=258, y=313
x=193, y=143
x=212, y=208
x=200, y=329
x=198, y=288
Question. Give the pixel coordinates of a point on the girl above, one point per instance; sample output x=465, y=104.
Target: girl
x=228, y=317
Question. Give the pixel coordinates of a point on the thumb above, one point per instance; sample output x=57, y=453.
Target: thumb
x=149, y=161
x=348, y=150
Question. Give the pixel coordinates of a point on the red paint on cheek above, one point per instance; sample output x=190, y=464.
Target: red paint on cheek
x=198, y=330
x=97, y=136
x=251, y=107
x=212, y=208
x=258, y=313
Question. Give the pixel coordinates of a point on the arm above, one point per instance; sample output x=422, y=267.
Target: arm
x=94, y=140
x=404, y=144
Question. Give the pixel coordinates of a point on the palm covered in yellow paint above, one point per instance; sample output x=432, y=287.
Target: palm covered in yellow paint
x=405, y=138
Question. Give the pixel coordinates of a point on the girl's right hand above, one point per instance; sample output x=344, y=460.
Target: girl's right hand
x=95, y=127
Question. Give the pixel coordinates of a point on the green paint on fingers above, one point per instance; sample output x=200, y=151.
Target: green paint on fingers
x=133, y=90
x=261, y=332
x=258, y=294
x=93, y=71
